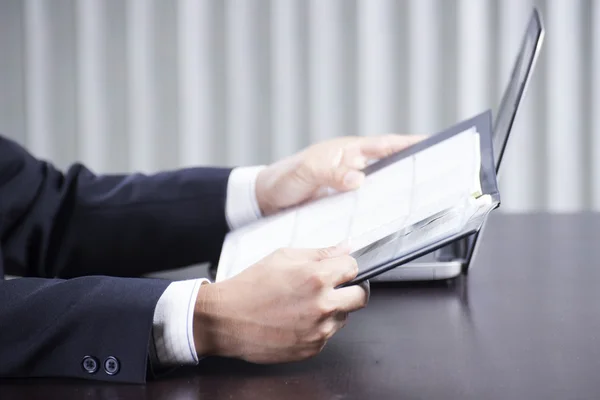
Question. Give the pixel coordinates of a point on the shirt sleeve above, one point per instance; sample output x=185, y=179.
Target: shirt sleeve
x=172, y=328
x=241, y=205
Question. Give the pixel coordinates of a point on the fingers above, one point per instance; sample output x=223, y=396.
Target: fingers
x=352, y=158
x=366, y=287
x=319, y=254
x=333, y=324
x=382, y=146
x=351, y=298
x=344, y=172
x=329, y=252
x=346, y=178
x=338, y=270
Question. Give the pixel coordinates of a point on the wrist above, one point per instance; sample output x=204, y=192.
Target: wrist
x=210, y=328
x=203, y=337
x=261, y=192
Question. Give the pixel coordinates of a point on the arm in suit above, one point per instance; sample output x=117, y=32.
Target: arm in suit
x=75, y=224
x=56, y=225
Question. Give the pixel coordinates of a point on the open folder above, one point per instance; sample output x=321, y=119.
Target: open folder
x=419, y=199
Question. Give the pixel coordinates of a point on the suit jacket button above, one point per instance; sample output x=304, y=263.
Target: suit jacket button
x=90, y=364
x=111, y=365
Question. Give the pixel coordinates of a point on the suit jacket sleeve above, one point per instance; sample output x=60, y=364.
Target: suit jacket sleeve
x=77, y=223
x=55, y=226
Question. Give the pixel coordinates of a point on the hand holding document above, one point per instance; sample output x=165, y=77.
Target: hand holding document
x=435, y=183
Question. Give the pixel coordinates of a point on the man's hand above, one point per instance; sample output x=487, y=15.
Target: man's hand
x=283, y=308
x=335, y=163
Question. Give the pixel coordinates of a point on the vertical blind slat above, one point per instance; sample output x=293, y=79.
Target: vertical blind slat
x=37, y=78
x=246, y=81
x=329, y=70
x=474, y=46
x=142, y=95
x=595, y=107
x=424, y=58
x=563, y=84
x=92, y=99
x=197, y=98
x=12, y=65
x=378, y=67
x=288, y=73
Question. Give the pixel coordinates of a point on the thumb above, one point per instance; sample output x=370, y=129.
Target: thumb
x=345, y=178
x=331, y=252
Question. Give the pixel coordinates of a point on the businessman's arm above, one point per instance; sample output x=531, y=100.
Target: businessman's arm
x=90, y=327
x=47, y=229
x=65, y=225
x=77, y=223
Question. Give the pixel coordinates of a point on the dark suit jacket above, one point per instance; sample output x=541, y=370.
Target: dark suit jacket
x=79, y=239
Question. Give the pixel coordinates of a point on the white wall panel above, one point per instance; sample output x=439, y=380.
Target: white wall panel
x=331, y=34
x=38, y=76
x=425, y=58
x=379, y=67
x=595, y=107
x=142, y=106
x=12, y=80
x=474, y=53
x=288, y=73
x=92, y=97
x=564, y=104
x=247, y=81
x=198, y=63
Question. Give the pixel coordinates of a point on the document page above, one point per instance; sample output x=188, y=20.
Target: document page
x=445, y=224
x=391, y=199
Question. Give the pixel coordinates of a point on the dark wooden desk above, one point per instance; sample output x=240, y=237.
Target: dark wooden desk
x=525, y=324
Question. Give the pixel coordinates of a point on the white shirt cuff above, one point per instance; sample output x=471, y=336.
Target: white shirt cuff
x=241, y=206
x=173, y=322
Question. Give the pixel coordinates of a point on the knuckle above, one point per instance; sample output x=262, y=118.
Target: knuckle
x=317, y=279
x=326, y=331
x=306, y=169
x=351, y=265
x=324, y=253
x=339, y=175
x=325, y=309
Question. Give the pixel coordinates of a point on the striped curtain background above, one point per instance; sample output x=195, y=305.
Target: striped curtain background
x=144, y=85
